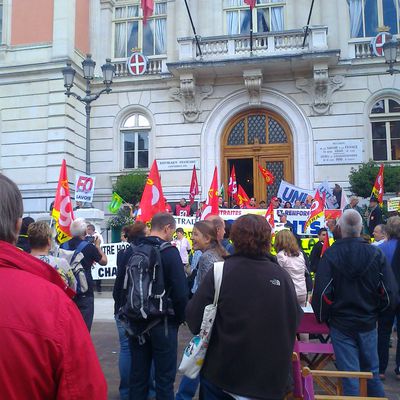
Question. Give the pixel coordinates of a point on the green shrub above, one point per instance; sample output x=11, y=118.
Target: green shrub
x=130, y=187
x=363, y=178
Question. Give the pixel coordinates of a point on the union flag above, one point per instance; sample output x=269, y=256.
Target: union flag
x=211, y=207
x=62, y=210
x=194, y=186
x=269, y=216
x=243, y=199
x=232, y=186
x=267, y=175
x=153, y=200
x=377, y=190
x=317, y=210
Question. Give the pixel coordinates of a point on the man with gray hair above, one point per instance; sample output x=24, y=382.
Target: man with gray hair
x=353, y=285
x=46, y=350
x=92, y=253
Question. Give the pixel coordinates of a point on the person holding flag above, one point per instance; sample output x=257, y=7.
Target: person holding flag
x=376, y=202
x=243, y=200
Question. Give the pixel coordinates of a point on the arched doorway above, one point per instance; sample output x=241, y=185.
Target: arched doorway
x=255, y=137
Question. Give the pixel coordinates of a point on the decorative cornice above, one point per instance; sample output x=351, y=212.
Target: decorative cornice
x=190, y=96
x=320, y=88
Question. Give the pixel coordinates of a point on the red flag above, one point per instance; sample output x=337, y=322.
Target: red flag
x=62, y=209
x=325, y=245
x=194, y=186
x=267, y=175
x=153, y=200
x=251, y=3
x=148, y=8
x=211, y=206
x=269, y=216
x=377, y=190
x=243, y=199
x=317, y=209
x=232, y=186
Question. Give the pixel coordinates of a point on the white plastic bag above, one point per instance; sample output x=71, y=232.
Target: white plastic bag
x=195, y=351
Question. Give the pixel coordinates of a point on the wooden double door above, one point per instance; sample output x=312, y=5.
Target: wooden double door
x=257, y=137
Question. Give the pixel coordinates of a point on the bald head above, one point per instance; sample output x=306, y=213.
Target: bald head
x=350, y=224
x=219, y=225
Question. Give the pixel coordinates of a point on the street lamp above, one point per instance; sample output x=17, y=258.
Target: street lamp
x=88, y=74
x=390, y=51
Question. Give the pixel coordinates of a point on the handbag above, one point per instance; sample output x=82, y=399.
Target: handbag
x=195, y=352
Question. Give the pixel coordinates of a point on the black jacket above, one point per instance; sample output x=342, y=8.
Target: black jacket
x=375, y=218
x=353, y=284
x=252, y=340
x=315, y=256
x=174, y=276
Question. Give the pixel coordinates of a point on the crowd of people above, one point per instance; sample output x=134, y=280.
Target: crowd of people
x=47, y=352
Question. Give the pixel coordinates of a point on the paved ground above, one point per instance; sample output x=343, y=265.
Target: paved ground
x=105, y=338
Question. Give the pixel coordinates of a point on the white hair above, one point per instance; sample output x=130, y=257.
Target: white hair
x=78, y=227
x=350, y=224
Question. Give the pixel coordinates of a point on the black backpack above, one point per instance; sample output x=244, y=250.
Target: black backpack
x=146, y=297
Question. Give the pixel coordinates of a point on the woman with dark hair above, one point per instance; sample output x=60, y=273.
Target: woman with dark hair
x=132, y=234
x=291, y=259
x=251, y=345
x=204, y=238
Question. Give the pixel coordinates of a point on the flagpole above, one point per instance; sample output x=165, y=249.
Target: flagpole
x=251, y=31
x=308, y=23
x=194, y=29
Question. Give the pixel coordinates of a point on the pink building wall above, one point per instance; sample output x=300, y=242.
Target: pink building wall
x=82, y=26
x=31, y=22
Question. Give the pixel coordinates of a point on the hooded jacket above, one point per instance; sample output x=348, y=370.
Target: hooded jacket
x=46, y=350
x=352, y=285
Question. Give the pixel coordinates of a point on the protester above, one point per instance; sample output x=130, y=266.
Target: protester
x=259, y=297
x=353, y=284
x=315, y=255
x=354, y=200
x=337, y=192
x=161, y=340
x=297, y=204
x=291, y=259
x=252, y=203
x=391, y=250
x=92, y=253
x=183, y=208
x=132, y=234
x=168, y=207
x=287, y=204
x=262, y=204
x=91, y=236
x=40, y=242
x=46, y=350
x=220, y=225
x=331, y=225
x=204, y=238
x=379, y=234
x=23, y=242
x=283, y=220
x=183, y=245
x=374, y=214
x=276, y=202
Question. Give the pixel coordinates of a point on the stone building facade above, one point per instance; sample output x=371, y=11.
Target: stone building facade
x=308, y=113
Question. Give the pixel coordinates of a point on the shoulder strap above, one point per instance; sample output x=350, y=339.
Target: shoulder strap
x=218, y=270
x=78, y=249
x=165, y=245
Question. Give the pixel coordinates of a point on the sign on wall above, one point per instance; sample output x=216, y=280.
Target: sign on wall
x=137, y=64
x=177, y=164
x=330, y=152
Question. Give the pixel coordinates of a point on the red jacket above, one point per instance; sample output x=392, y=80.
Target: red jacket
x=46, y=350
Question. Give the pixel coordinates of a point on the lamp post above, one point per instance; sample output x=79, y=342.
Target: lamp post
x=88, y=73
x=390, y=51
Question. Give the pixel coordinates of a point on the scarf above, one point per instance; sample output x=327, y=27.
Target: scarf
x=12, y=257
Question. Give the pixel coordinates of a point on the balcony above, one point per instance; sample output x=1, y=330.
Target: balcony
x=156, y=65
x=219, y=48
x=361, y=48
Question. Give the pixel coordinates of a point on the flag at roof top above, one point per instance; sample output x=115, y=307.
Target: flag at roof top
x=148, y=8
x=251, y=3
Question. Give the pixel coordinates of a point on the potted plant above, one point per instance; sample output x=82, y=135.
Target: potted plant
x=116, y=222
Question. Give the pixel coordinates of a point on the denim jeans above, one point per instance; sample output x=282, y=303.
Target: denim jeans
x=187, y=388
x=161, y=347
x=208, y=391
x=124, y=362
x=385, y=328
x=85, y=304
x=358, y=353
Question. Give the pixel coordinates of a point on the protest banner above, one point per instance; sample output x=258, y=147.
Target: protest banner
x=330, y=200
x=108, y=271
x=291, y=193
x=393, y=204
x=84, y=188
